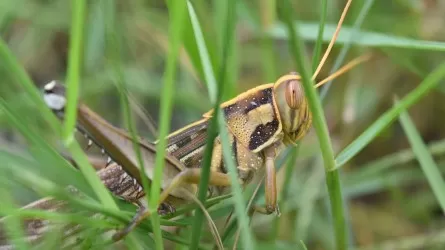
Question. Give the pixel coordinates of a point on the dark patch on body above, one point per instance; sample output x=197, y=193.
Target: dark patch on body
x=262, y=134
x=250, y=102
x=235, y=151
x=256, y=101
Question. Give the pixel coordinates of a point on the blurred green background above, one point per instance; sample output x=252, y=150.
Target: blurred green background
x=389, y=201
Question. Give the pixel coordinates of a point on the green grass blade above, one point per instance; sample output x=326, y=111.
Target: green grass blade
x=332, y=176
x=210, y=80
x=247, y=238
x=429, y=167
x=22, y=79
x=402, y=157
x=113, y=51
x=215, y=93
x=319, y=41
x=371, y=39
x=59, y=168
x=177, y=13
x=431, y=81
x=11, y=65
x=74, y=68
x=209, y=71
x=267, y=19
x=13, y=225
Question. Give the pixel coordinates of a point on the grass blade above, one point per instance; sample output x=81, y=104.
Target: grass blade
x=389, y=116
x=215, y=93
x=22, y=79
x=13, y=226
x=177, y=13
x=74, y=66
x=401, y=157
x=309, y=31
x=212, y=129
x=240, y=209
x=425, y=159
x=11, y=64
x=319, y=41
x=332, y=176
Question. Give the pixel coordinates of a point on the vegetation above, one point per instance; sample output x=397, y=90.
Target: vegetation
x=368, y=176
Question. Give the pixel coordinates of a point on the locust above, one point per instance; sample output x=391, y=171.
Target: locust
x=261, y=123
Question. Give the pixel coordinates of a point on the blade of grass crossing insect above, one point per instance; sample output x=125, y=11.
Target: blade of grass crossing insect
x=212, y=130
x=74, y=66
x=90, y=174
x=177, y=14
x=247, y=239
x=425, y=159
x=22, y=79
x=431, y=81
x=332, y=177
x=13, y=225
x=319, y=42
x=41, y=151
x=243, y=222
x=113, y=50
x=211, y=83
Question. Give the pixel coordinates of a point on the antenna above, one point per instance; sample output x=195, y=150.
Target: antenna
x=334, y=38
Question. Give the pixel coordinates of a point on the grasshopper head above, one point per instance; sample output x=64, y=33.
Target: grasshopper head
x=291, y=102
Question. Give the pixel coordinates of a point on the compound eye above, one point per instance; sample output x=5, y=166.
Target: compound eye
x=294, y=94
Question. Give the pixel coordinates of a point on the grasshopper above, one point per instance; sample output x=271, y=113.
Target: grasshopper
x=261, y=123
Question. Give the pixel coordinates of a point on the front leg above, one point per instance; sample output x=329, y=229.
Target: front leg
x=270, y=184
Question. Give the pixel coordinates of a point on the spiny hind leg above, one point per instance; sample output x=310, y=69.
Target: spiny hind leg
x=188, y=176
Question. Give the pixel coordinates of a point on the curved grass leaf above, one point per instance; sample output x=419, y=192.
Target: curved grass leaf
x=389, y=116
x=74, y=68
x=425, y=159
x=215, y=93
x=319, y=121
x=402, y=157
x=309, y=31
x=13, y=226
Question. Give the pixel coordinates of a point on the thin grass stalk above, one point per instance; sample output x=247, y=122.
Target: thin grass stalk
x=18, y=73
x=177, y=13
x=13, y=226
x=332, y=177
x=247, y=240
x=74, y=68
x=114, y=52
x=212, y=131
x=429, y=167
x=430, y=82
x=319, y=42
x=213, y=126
x=267, y=19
